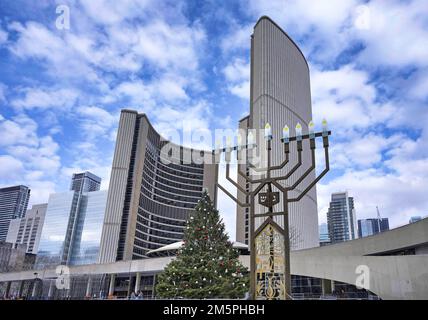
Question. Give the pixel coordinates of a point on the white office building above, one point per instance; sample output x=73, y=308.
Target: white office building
x=27, y=230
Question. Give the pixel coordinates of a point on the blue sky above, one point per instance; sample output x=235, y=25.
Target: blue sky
x=61, y=91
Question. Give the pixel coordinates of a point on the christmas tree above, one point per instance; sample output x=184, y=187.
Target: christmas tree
x=207, y=266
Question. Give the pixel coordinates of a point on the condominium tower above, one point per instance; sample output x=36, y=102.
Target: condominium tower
x=280, y=95
x=13, y=204
x=341, y=218
x=154, y=186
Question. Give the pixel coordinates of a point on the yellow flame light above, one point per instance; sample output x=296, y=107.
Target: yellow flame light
x=298, y=129
x=286, y=132
x=324, y=125
x=311, y=127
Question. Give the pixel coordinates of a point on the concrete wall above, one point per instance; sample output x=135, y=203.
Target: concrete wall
x=117, y=187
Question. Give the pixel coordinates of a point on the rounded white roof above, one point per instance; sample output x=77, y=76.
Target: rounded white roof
x=179, y=244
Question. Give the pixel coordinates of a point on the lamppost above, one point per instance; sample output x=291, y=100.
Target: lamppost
x=270, y=276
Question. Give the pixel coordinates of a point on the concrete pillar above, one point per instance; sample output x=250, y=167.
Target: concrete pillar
x=137, y=282
x=154, y=286
x=89, y=288
x=35, y=287
x=326, y=287
x=21, y=288
x=7, y=292
x=51, y=287
x=128, y=293
x=112, y=281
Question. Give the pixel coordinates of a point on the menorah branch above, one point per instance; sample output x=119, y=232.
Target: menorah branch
x=327, y=168
x=233, y=182
x=294, y=169
x=243, y=205
x=307, y=172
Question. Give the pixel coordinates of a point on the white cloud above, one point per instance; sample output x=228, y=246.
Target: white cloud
x=398, y=33
x=46, y=98
x=169, y=46
x=242, y=90
x=95, y=121
x=3, y=88
x=10, y=167
x=3, y=36
x=238, y=70
x=237, y=74
x=348, y=99
x=28, y=158
x=238, y=38
x=107, y=12
x=43, y=157
x=399, y=195
x=167, y=89
x=363, y=151
x=188, y=129
x=21, y=130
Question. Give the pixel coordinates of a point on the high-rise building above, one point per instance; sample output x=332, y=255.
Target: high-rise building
x=27, y=230
x=72, y=230
x=369, y=227
x=73, y=222
x=280, y=95
x=87, y=235
x=341, y=218
x=13, y=204
x=415, y=219
x=85, y=182
x=154, y=186
x=324, y=236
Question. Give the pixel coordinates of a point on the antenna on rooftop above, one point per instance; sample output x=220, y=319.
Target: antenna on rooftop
x=378, y=218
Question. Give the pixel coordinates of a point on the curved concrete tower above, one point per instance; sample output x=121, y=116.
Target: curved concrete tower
x=280, y=95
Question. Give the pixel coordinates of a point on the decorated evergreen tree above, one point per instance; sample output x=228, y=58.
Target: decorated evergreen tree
x=207, y=266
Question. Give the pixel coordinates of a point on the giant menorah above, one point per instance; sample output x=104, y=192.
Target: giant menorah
x=270, y=276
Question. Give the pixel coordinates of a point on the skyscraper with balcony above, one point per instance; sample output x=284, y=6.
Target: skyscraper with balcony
x=154, y=186
x=27, y=230
x=280, y=95
x=13, y=204
x=341, y=218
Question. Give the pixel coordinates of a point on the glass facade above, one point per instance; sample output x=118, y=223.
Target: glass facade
x=72, y=229
x=369, y=227
x=61, y=206
x=89, y=227
x=324, y=236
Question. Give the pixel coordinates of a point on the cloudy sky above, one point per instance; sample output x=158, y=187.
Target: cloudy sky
x=61, y=90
